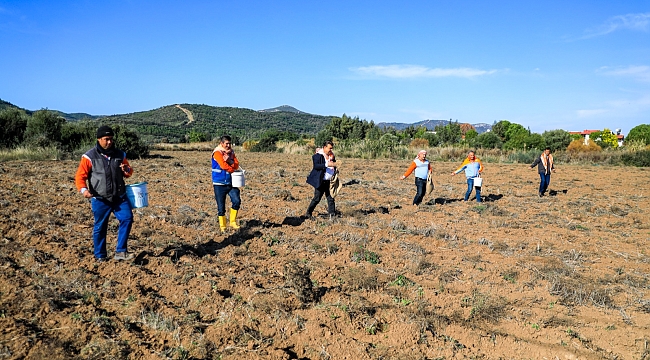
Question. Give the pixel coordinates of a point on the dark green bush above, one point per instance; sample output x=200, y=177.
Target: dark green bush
x=524, y=157
x=267, y=144
x=129, y=142
x=13, y=123
x=639, y=158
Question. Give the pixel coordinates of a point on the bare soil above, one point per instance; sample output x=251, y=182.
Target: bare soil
x=565, y=276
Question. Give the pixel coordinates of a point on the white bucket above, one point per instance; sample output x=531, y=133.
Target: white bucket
x=478, y=182
x=238, y=178
x=138, y=195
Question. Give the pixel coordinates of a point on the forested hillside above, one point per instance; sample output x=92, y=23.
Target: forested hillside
x=171, y=123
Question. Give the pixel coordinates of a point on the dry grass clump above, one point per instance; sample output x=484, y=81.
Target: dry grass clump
x=157, y=321
x=572, y=288
x=361, y=278
x=105, y=349
x=485, y=307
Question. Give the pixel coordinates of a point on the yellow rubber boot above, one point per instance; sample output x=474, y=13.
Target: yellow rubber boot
x=233, y=219
x=222, y=223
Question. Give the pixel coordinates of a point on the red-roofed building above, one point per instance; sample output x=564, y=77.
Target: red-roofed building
x=585, y=134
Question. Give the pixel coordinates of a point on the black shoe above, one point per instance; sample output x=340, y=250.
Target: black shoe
x=123, y=256
x=307, y=217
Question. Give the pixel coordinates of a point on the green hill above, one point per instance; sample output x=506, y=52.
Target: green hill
x=173, y=122
x=69, y=117
x=4, y=105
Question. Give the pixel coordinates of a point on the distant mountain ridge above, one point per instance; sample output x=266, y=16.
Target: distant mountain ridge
x=172, y=122
x=285, y=108
x=69, y=117
x=431, y=124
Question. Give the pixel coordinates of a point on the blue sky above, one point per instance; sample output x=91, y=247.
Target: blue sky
x=547, y=65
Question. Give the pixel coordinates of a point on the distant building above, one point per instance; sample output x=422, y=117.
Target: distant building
x=585, y=135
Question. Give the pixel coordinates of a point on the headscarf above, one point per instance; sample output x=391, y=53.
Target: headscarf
x=420, y=152
x=547, y=166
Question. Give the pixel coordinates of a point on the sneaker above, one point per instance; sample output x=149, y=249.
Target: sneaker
x=100, y=260
x=541, y=194
x=123, y=256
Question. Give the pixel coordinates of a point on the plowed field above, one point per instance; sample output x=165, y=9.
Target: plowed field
x=565, y=276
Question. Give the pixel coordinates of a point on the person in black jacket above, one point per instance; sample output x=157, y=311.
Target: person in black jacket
x=319, y=177
x=545, y=166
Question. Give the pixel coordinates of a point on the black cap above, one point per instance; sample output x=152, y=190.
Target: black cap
x=104, y=131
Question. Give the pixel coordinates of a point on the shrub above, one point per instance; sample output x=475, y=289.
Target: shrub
x=13, y=123
x=44, y=129
x=322, y=136
x=267, y=144
x=433, y=139
x=557, y=139
x=488, y=140
x=248, y=145
x=605, y=139
x=579, y=146
x=640, y=133
x=523, y=157
x=196, y=136
x=129, y=142
x=78, y=136
x=638, y=158
x=419, y=143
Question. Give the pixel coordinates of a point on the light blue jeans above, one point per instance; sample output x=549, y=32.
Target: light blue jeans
x=470, y=186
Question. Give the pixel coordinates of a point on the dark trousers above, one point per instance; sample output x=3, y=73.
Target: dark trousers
x=470, y=186
x=545, y=180
x=220, y=192
x=102, y=210
x=421, y=186
x=323, y=189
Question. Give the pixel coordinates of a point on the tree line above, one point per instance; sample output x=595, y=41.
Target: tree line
x=46, y=129
x=261, y=131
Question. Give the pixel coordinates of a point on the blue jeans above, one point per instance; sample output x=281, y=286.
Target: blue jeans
x=470, y=186
x=421, y=186
x=545, y=180
x=220, y=192
x=102, y=210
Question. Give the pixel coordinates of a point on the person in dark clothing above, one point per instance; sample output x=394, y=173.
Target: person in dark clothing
x=324, y=168
x=545, y=166
x=100, y=178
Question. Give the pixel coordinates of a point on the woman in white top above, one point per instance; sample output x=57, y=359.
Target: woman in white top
x=422, y=169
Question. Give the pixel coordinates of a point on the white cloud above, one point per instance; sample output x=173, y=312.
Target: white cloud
x=590, y=113
x=637, y=22
x=639, y=72
x=416, y=71
x=619, y=109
